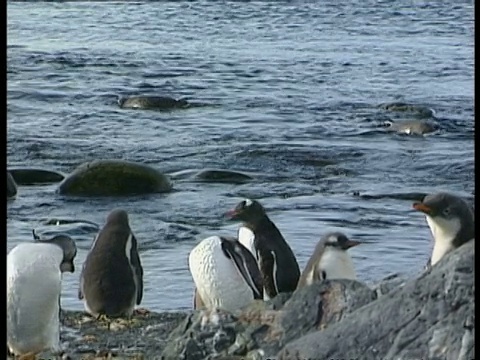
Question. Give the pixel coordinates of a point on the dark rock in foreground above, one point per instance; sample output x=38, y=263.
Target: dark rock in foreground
x=263, y=328
x=142, y=337
x=114, y=177
x=11, y=186
x=431, y=317
x=26, y=176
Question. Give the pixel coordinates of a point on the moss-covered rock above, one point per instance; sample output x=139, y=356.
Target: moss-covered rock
x=11, y=186
x=27, y=176
x=114, y=178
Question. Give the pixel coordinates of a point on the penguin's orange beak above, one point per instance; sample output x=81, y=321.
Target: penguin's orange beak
x=232, y=214
x=422, y=207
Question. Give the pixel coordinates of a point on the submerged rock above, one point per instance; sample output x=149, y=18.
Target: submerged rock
x=114, y=177
x=431, y=317
x=222, y=176
x=152, y=102
x=413, y=109
x=412, y=127
x=11, y=186
x=26, y=176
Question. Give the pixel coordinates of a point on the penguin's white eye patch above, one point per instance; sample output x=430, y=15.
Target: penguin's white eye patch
x=248, y=202
x=332, y=239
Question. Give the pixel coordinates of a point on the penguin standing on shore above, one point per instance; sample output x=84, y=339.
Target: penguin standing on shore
x=450, y=220
x=275, y=258
x=111, y=282
x=225, y=274
x=330, y=260
x=34, y=283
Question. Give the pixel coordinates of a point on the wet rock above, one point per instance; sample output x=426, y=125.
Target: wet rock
x=412, y=127
x=26, y=176
x=222, y=176
x=412, y=109
x=143, y=336
x=431, y=317
x=11, y=186
x=312, y=308
x=212, y=176
x=262, y=328
x=114, y=177
x=203, y=333
x=391, y=282
x=152, y=102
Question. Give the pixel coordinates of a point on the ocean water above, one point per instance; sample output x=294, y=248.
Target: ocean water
x=291, y=92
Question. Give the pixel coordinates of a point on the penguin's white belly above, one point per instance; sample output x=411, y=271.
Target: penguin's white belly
x=33, y=290
x=246, y=237
x=443, y=231
x=217, y=280
x=337, y=264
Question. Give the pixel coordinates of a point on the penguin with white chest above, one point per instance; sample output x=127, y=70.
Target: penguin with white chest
x=451, y=222
x=225, y=274
x=330, y=260
x=34, y=283
x=276, y=260
x=111, y=282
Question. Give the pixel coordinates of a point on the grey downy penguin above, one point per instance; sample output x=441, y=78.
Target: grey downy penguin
x=330, y=260
x=111, y=282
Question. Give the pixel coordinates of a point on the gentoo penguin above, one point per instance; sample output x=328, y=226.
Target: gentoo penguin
x=275, y=258
x=225, y=274
x=34, y=282
x=450, y=220
x=111, y=282
x=330, y=260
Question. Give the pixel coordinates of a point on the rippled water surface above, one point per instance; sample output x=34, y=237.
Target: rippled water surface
x=291, y=93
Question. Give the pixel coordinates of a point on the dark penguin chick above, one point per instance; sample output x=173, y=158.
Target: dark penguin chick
x=450, y=220
x=330, y=260
x=275, y=258
x=111, y=282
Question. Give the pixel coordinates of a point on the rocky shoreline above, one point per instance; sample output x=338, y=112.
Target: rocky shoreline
x=427, y=317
